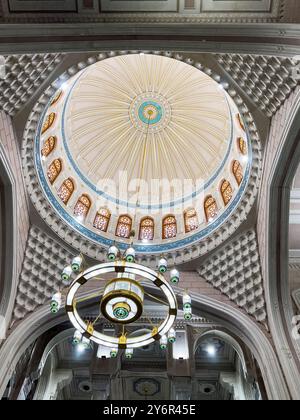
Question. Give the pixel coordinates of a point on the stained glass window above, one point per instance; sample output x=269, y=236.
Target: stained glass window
x=66, y=190
x=146, y=229
x=82, y=206
x=49, y=145
x=48, y=122
x=56, y=97
x=240, y=121
x=226, y=191
x=242, y=145
x=210, y=208
x=237, y=171
x=54, y=170
x=169, y=227
x=102, y=219
x=124, y=226
x=190, y=220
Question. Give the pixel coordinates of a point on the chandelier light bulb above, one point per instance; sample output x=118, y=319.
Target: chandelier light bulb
x=129, y=353
x=174, y=276
x=130, y=254
x=86, y=342
x=187, y=313
x=77, y=263
x=66, y=274
x=113, y=353
x=187, y=301
x=77, y=337
x=162, y=265
x=172, y=336
x=113, y=253
x=163, y=342
x=55, y=303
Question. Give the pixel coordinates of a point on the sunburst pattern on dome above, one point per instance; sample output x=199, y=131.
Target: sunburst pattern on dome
x=149, y=117
x=152, y=116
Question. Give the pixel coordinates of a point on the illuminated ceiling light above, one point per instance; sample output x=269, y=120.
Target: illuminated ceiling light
x=211, y=350
x=80, y=348
x=112, y=253
x=174, y=276
x=162, y=265
x=77, y=263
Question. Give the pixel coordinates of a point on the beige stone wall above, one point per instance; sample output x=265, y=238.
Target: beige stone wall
x=9, y=142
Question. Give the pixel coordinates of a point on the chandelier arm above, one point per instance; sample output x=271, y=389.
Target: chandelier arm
x=155, y=298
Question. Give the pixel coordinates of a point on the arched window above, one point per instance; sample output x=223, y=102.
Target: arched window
x=226, y=191
x=56, y=97
x=237, y=171
x=49, y=145
x=124, y=226
x=146, y=229
x=66, y=190
x=82, y=206
x=102, y=219
x=242, y=145
x=190, y=220
x=210, y=208
x=48, y=122
x=241, y=122
x=169, y=227
x=54, y=170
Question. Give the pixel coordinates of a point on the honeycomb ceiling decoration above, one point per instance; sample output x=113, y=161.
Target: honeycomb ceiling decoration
x=147, y=117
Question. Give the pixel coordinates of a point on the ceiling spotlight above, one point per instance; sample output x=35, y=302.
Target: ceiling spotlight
x=211, y=350
x=80, y=348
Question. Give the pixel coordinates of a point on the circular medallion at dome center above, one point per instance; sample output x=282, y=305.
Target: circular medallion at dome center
x=150, y=112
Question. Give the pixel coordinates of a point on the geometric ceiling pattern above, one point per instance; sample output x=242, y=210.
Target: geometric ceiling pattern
x=236, y=271
x=267, y=80
x=24, y=75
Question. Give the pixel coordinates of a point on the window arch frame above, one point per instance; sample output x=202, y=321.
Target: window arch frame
x=235, y=171
x=152, y=227
x=119, y=222
x=223, y=191
x=105, y=217
x=65, y=201
x=242, y=145
x=50, y=144
x=79, y=203
x=186, y=219
x=49, y=121
x=208, y=217
x=164, y=225
x=57, y=171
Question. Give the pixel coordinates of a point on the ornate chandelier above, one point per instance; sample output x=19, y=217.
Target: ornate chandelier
x=121, y=301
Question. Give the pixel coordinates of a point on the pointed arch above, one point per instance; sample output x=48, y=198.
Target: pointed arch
x=169, y=227
x=124, y=226
x=146, y=231
x=210, y=208
x=49, y=146
x=242, y=145
x=48, y=122
x=191, y=221
x=66, y=190
x=54, y=170
x=237, y=171
x=102, y=219
x=226, y=191
x=83, y=205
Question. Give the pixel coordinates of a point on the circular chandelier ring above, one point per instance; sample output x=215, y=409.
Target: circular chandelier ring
x=121, y=267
